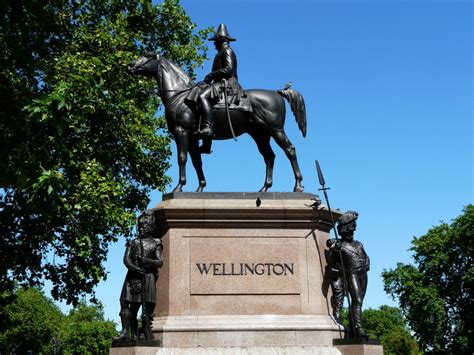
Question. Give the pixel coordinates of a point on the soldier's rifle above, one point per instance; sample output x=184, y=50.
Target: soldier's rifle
x=323, y=188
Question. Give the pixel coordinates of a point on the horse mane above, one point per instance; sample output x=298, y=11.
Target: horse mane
x=181, y=77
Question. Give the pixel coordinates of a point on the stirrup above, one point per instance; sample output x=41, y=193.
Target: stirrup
x=206, y=132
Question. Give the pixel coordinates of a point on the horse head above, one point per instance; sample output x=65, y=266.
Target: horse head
x=171, y=78
x=146, y=65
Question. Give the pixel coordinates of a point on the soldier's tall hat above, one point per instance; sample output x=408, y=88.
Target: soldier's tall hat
x=348, y=217
x=222, y=32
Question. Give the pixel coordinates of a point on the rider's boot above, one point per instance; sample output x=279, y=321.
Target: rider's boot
x=205, y=147
x=208, y=120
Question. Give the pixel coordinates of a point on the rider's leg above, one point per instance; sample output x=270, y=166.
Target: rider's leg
x=206, y=113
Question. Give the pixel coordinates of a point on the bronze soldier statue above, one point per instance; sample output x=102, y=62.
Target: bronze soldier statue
x=143, y=257
x=355, y=263
x=223, y=74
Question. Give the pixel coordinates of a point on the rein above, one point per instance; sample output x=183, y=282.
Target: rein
x=160, y=90
x=177, y=90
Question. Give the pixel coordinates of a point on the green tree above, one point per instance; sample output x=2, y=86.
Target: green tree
x=32, y=321
x=35, y=323
x=84, y=331
x=387, y=325
x=436, y=293
x=80, y=146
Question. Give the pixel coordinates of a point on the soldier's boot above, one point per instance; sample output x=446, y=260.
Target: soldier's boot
x=337, y=315
x=134, y=328
x=125, y=318
x=207, y=130
x=361, y=333
x=147, y=321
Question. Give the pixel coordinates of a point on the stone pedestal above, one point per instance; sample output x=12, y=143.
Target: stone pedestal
x=240, y=275
x=359, y=346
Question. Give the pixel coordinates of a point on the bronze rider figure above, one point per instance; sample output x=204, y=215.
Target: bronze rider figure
x=224, y=67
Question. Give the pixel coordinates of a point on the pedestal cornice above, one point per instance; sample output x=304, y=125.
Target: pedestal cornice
x=286, y=210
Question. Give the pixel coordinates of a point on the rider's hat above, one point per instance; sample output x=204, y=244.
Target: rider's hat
x=222, y=32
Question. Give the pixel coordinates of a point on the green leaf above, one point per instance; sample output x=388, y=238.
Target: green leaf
x=436, y=293
x=83, y=145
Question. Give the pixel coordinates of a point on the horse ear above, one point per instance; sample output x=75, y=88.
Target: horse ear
x=149, y=53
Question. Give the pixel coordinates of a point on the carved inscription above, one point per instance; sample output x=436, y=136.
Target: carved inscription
x=243, y=269
x=240, y=266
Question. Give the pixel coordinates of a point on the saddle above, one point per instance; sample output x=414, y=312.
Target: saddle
x=243, y=105
x=237, y=99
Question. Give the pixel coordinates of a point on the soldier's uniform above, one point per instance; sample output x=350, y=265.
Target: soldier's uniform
x=143, y=257
x=337, y=284
x=132, y=286
x=356, y=264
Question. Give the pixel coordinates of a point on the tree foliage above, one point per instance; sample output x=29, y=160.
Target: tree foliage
x=31, y=321
x=436, y=293
x=387, y=325
x=84, y=331
x=80, y=146
x=34, y=323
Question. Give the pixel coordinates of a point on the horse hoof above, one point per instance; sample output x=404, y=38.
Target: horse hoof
x=298, y=188
x=178, y=188
x=202, y=185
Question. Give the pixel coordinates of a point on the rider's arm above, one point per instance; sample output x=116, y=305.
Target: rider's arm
x=228, y=62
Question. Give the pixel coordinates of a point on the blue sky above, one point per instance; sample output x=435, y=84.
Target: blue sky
x=388, y=91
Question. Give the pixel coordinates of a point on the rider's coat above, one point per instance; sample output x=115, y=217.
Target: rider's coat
x=225, y=67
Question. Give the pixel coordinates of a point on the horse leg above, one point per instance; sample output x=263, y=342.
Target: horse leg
x=182, y=143
x=263, y=144
x=282, y=140
x=194, y=152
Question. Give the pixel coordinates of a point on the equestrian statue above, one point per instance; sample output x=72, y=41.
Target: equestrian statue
x=218, y=108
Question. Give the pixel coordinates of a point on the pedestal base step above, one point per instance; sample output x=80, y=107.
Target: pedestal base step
x=290, y=350
x=358, y=346
x=246, y=331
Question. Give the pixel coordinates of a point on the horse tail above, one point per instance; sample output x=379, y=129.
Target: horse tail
x=296, y=101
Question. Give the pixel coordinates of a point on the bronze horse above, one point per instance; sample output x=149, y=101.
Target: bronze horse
x=267, y=119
